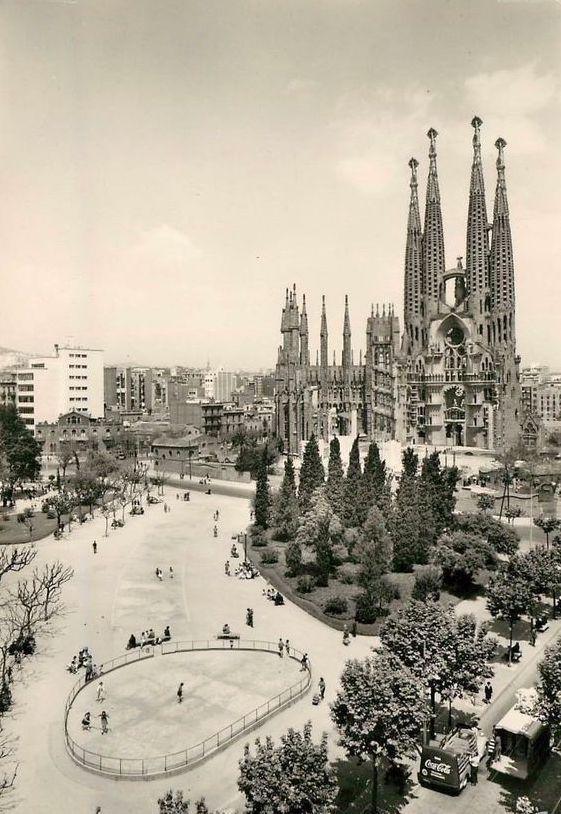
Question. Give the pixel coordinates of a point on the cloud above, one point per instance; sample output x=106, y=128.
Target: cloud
x=375, y=134
x=514, y=98
x=165, y=245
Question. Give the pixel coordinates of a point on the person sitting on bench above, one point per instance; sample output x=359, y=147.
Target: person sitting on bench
x=132, y=643
x=279, y=598
x=226, y=630
x=167, y=635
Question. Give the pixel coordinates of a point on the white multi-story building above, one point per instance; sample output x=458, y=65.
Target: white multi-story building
x=71, y=380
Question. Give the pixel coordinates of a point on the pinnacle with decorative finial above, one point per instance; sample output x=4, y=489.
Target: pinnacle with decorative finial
x=500, y=144
x=432, y=134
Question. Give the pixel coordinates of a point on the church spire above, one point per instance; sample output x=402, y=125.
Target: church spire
x=347, y=353
x=433, y=236
x=304, y=344
x=477, y=241
x=323, y=336
x=413, y=248
x=502, y=260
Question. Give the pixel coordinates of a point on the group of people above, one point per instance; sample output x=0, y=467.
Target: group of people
x=160, y=573
x=274, y=595
x=84, y=659
x=148, y=637
x=104, y=719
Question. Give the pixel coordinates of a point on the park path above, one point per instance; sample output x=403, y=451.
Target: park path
x=114, y=593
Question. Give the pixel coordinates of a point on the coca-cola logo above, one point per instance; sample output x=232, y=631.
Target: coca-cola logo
x=442, y=768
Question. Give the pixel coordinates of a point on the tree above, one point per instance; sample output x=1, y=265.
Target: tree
x=549, y=689
x=462, y=556
x=352, y=488
x=60, y=504
x=372, y=484
x=501, y=538
x=379, y=712
x=542, y=569
x=293, y=558
x=374, y=553
x=262, y=501
x=312, y=474
x=446, y=651
x=286, y=506
x=485, y=503
x=335, y=477
x=292, y=778
x=18, y=448
x=548, y=525
x=509, y=595
x=439, y=484
x=428, y=584
x=405, y=528
x=320, y=529
x=65, y=456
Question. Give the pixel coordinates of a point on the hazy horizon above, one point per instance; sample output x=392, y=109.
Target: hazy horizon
x=168, y=169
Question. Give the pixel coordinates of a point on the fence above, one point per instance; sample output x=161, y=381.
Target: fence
x=156, y=766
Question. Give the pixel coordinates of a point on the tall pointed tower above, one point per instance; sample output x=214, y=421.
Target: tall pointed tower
x=477, y=240
x=502, y=328
x=346, y=359
x=304, y=337
x=413, y=283
x=433, y=236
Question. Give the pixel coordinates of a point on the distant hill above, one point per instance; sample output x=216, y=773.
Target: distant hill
x=10, y=358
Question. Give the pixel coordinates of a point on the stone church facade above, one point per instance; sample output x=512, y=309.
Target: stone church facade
x=453, y=377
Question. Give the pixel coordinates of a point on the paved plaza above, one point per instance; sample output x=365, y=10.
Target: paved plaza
x=115, y=593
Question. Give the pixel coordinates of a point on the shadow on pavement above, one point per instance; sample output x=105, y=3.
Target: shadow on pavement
x=354, y=781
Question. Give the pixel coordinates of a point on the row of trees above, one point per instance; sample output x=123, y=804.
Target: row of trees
x=19, y=452
x=31, y=598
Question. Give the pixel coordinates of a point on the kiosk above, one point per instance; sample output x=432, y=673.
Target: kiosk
x=525, y=744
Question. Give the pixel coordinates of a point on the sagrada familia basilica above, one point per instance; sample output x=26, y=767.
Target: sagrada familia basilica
x=452, y=377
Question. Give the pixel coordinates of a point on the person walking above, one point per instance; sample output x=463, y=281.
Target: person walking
x=533, y=636
x=249, y=617
x=100, y=692
x=180, y=693
x=304, y=662
x=94, y=546
x=498, y=750
x=321, y=685
x=287, y=647
x=473, y=769
x=104, y=723
x=171, y=572
x=281, y=648
x=488, y=691
x=227, y=568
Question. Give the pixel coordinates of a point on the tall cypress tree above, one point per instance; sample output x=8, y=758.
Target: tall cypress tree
x=405, y=519
x=352, y=488
x=335, y=477
x=372, y=483
x=262, y=501
x=312, y=473
x=286, y=505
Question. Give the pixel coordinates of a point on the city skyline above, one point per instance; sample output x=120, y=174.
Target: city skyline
x=155, y=197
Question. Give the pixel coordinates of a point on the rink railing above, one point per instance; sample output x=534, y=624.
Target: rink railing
x=152, y=767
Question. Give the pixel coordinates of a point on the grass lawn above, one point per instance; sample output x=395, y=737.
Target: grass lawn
x=14, y=533
x=314, y=602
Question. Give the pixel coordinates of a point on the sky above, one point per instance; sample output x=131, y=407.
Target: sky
x=167, y=168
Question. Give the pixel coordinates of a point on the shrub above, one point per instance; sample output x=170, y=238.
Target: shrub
x=269, y=556
x=305, y=584
x=366, y=611
x=258, y=537
x=346, y=575
x=336, y=606
x=427, y=584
